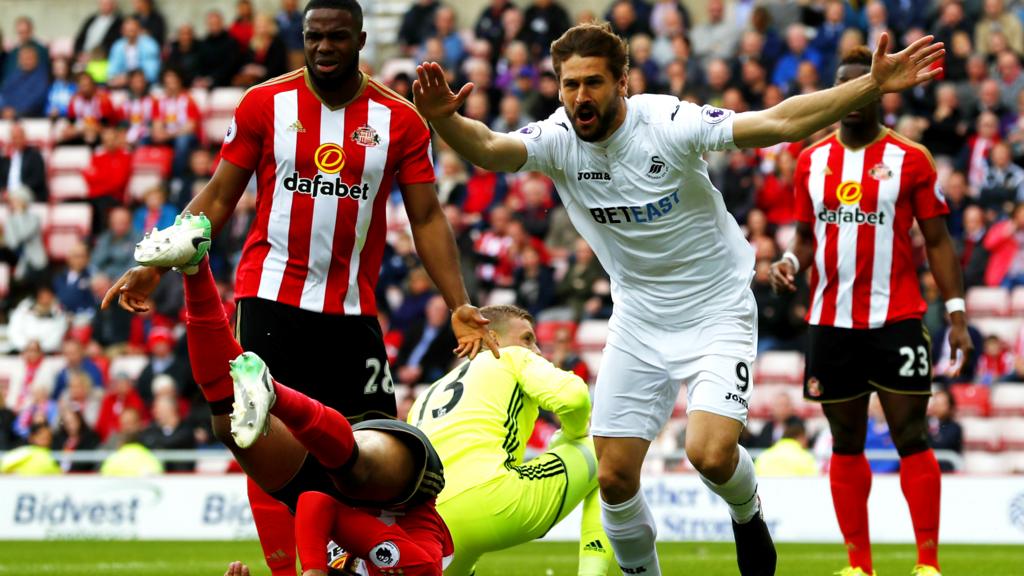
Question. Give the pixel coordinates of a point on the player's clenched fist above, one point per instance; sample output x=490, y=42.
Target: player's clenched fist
x=782, y=277
x=237, y=568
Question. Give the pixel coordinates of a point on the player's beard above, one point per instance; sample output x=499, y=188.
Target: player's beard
x=337, y=79
x=602, y=123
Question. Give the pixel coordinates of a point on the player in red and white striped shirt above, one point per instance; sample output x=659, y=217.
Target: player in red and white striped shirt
x=859, y=192
x=327, y=144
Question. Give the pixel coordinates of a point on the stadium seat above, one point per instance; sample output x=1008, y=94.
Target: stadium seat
x=224, y=100
x=118, y=98
x=1012, y=432
x=130, y=364
x=65, y=159
x=5, y=131
x=981, y=433
x=1008, y=399
x=546, y=331
x=987, y=301
x=201, y=96
x=1016, y=460
x=779, y=367
x=592, y=358
x=1007, y=329
x=784, y=235
x=971, y=399
x=74, y=216
x=153, y=160
x=5, y=282
x=1017, y=301
x=38, y=131
x=68, y=187
x=141, y=183
x=501, y=296
x=214, y=129
x=592, y=334
x=59, y=242
x=764, y=395
x=985, y=463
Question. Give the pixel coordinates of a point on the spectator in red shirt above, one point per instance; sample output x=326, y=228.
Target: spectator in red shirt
x=120, y=396
x=242, y=28
x=995, y=362
x=108, y=174
x=776, y=197
x=177, y=121
x=90, y=109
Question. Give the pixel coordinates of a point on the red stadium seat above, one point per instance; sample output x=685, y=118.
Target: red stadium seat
x=1016, y=460
x=547, y=330
x=1008, y=399
x=68, y=187
x=201, y=96
x=59, y=242
x=764, y=395
x=5, y=131
x=74, y=159
x=971, y=399
x=130, y=364
x=153, y=160
x=139, y=184
x=501, y=297
x=779, y=367
x=592, y=358
x=988, y=301
x=985, y=463
x=982, y=433
x=214, y=129
x=38, y=131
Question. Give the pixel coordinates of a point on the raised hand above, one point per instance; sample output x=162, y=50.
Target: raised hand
x=430, y=91
x=907, y=68
x=133, y=288
x=471, y=332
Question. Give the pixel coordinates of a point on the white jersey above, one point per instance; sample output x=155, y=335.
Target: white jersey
x=643, y=201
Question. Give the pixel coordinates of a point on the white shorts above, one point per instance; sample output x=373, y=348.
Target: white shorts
x=644, y=364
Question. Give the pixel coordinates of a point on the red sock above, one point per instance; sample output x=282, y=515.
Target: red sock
x=276, y=528
x=314, y=526
x=921, y=481
x=850, y=477
x=212, y=345
x=322, y=430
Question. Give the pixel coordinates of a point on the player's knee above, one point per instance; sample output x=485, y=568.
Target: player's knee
x=715, y=463
x=617, y=483
x=910, y=441
x=222, y=432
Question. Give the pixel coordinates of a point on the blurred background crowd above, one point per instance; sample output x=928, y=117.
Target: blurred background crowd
x=111, y=132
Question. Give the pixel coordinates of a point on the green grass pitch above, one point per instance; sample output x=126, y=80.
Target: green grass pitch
x=535, y=559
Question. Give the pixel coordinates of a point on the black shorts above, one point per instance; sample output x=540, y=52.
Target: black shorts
x=338, y=360
x=843, y=363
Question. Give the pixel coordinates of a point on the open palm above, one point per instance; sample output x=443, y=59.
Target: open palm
x=430, y=91
x=907, y=68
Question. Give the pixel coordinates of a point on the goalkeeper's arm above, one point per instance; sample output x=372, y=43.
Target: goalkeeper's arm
x=558, y=391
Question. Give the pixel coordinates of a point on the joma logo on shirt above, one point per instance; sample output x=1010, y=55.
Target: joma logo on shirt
x=318, y=185
x=639, y=214
x=593, y=176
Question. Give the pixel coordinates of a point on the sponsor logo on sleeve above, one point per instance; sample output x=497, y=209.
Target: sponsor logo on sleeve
x=713, y=115
x=531, y=131
x=229, y=136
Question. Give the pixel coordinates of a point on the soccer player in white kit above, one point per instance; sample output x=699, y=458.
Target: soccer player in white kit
x=632, y=179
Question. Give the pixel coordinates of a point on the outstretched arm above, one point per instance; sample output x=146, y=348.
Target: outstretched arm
x=469, y=138
x=798, y=117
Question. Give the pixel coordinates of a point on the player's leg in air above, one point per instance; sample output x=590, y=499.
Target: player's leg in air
x=637, y=387
x=525, y=504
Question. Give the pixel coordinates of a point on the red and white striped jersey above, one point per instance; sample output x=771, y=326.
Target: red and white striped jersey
x=861, y=204
x=323, y=177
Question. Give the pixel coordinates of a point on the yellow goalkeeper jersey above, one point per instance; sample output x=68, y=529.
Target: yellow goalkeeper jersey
x=481, y=414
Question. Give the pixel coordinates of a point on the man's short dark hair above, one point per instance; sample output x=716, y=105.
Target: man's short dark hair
x=350, y=6
x=859, y=55
x=794, y=428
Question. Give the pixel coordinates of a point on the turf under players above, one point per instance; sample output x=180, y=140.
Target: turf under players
x=373, y=492
x=858, y=192
x=327, y=145
x=631, y=176
x=479, y=418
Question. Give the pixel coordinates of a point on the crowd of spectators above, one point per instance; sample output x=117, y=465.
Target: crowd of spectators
x=127, y=87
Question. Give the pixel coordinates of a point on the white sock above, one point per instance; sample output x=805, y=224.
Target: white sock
x=740, y=491
x=632, y=532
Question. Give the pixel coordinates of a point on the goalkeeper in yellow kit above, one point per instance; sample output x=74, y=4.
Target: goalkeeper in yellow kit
x=479, y=417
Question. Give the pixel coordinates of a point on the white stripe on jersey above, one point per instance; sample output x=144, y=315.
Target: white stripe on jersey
x=325, y=216
x=379, y=118
x=816, y=187
x=286, y=112
x=853, y=170
x=881, y=274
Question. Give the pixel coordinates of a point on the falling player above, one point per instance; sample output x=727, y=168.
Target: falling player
x=374, y=489
x=631, y=176
x=479, y=418
x=858, y=193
